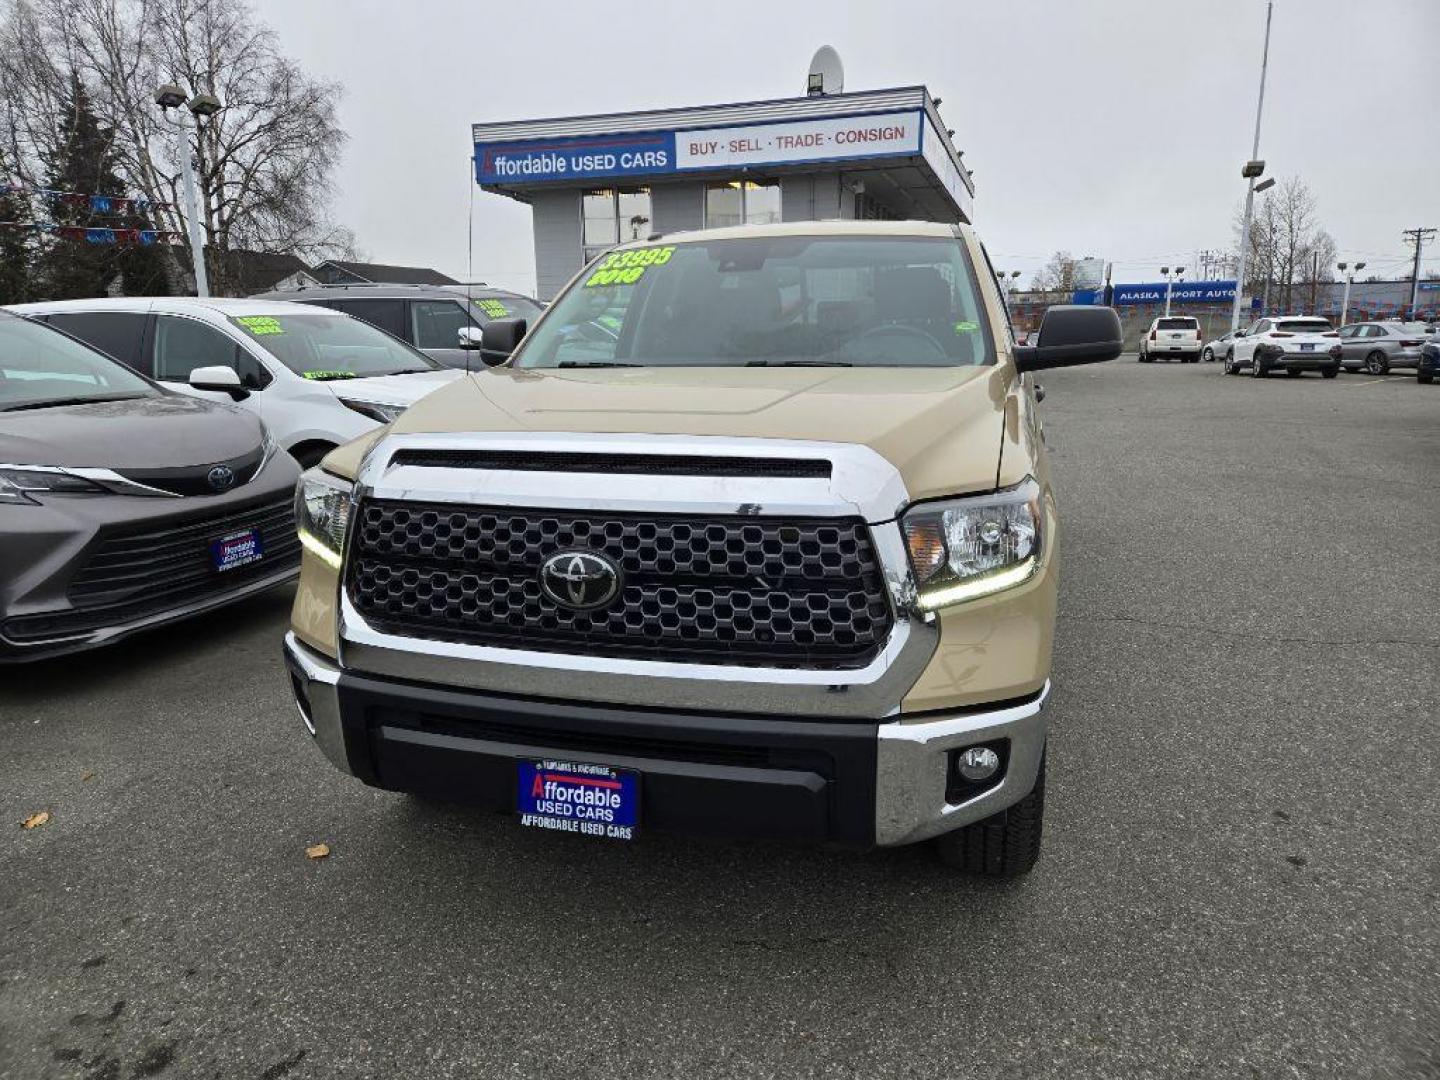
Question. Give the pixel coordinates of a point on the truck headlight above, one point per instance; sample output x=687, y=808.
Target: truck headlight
x=322, y=514
x=963, y=549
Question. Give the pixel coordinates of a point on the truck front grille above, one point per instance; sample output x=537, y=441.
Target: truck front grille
x=804, y=592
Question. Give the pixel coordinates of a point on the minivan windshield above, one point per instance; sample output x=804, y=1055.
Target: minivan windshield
x=41, y=367
x=823, y=301
x=326, y=345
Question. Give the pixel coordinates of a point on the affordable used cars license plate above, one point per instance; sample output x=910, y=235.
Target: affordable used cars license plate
x=236, y=549
x=572, y=796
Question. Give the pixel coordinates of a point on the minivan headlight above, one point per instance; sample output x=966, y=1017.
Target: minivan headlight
x=381, y=413
x=963, y=549
x=322, y=514
x=19, y=483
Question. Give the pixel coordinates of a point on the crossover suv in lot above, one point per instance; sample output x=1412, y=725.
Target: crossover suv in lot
x=317, y=378
x=124, y=505
x=1175, y=336
x=442, y=321
x=1293, y=344
x=774, y=556
x=1377, y=347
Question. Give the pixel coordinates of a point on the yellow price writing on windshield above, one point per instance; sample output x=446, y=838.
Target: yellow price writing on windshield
x=628, y=267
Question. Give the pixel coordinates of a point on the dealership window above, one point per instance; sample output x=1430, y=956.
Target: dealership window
x=614, y=216
x=742, y=202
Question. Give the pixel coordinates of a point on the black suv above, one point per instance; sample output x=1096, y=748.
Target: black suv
x=429, y=317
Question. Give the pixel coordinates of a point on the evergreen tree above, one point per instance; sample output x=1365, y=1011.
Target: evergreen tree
x=16, y=250
x=85, y=164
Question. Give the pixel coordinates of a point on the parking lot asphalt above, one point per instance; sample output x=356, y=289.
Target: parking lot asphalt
x=1241, y=875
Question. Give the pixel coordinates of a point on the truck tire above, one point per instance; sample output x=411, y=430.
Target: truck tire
x=1004, y=845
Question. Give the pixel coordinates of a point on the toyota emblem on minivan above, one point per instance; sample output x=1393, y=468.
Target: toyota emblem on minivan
x=579, y=580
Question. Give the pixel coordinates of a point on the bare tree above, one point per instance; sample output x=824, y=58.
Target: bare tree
x=1288, y=248
x=1057, y=275
x=263, y=163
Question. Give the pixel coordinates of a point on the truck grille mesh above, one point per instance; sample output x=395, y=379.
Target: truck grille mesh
x=736, y=590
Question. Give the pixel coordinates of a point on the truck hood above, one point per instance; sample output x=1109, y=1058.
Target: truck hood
x=170, y=431
x=940, y=427
x=393, y=389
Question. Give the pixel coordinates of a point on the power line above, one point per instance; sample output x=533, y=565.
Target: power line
x=1418, y=238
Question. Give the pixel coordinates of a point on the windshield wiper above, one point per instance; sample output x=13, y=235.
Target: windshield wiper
x=49, y=403
x=798, y=363
x=593, y=363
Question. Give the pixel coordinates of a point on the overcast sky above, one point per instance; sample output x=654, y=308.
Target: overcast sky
x=1113, y=128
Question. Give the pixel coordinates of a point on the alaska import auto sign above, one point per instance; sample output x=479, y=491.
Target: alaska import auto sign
x=1182, y=292
x=651, y=153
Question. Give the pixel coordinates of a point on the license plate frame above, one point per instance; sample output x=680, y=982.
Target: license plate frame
x=581, y=797
x=242, y=547
x=1307, y=346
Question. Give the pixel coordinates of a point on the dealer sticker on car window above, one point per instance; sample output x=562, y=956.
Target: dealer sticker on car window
x=572, y=796
x=628, y=267
x=493, y=309
x=261, y=325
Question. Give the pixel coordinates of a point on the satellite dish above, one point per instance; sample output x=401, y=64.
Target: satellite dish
x=827, y=74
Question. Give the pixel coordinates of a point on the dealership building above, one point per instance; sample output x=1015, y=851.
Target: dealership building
x=595, y=181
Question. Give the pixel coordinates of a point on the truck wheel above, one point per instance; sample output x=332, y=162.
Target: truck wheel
x=1331, y=372
x=1377, y=363
x=1004, y=845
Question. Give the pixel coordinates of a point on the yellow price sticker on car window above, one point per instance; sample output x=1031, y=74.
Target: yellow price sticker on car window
x=628, y=267
x=965, y=326
x=259, y=325
x=492, y=308
x=325, y=376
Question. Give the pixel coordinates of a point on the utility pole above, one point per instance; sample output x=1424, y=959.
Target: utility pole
x=1252, y=170
x=1314, y=281
x=1418, y=238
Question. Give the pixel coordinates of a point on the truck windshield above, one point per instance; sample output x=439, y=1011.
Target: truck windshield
x=325, y=345
x=843, y=301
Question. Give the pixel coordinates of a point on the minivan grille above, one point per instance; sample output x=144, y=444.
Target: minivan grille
x=802, y=592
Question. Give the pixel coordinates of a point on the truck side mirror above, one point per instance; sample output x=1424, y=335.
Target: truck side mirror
x=499, y=339
x=469, y=337
x=219, y=378
x=1072, y=334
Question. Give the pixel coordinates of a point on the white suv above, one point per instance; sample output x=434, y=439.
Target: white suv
x=1288, y=343
x=1172, y=335
x=316, y=377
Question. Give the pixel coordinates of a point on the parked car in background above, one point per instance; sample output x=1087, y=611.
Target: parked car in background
x=429, y=317
x=1428, y=366
x=1377, y=347
x=124, y=505
x=1175, y=336
x=317, y=378
x=1219, y=348
x=1292, y=344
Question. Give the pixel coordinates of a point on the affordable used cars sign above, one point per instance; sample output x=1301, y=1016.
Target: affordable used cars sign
x=575, y=159
x=649, y=153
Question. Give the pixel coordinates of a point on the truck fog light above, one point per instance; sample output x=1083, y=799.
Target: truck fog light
x=978, y=763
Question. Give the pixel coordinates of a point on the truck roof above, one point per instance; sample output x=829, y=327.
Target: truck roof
x=804, y=228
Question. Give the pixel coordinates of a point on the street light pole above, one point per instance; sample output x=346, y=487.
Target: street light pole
x=1349, y=277
x=171, y=98
x=1251, y=173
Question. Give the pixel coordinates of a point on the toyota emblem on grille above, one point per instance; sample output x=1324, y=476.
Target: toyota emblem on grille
x=221, y=478
x=579, y=580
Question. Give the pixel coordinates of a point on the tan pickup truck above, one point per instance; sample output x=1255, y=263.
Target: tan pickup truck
x=750, y=535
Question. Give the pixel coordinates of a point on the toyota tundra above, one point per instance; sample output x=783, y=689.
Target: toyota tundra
x=751, y=535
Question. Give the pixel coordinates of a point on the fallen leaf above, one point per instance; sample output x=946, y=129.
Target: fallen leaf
x=86, y=776
x=34, y=821
x=314, y=851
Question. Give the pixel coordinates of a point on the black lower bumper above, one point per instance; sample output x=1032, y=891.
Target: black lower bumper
x=701, y=775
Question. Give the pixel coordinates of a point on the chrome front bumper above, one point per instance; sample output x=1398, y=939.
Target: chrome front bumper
x=912, y=756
